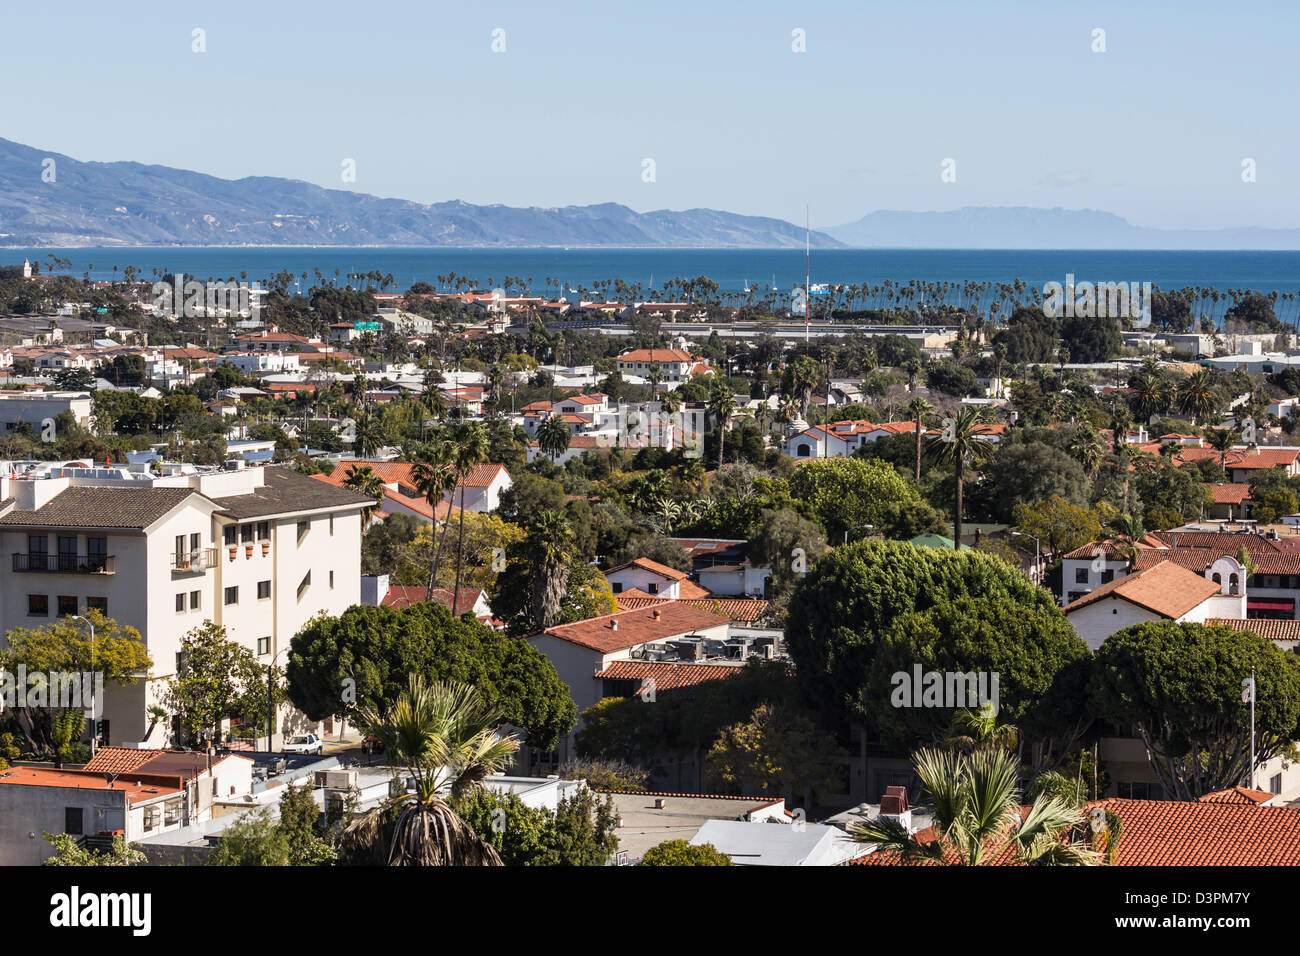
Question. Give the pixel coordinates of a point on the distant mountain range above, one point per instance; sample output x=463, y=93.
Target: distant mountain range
x=132, y=204
x=1023, y=227
x=108, y=204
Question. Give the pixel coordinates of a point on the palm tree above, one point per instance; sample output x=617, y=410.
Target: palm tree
x=722, y=403
x=977, y=817
x=1087, y=448
x=548, y=549
x=917, y=407
x=1150, y=393
x=470, y=449
x=1198, y=395
x=363, y=480
x=446, y=736
x=1222, y=440
x=964, y=439
x=553, y=436
x=435, y=476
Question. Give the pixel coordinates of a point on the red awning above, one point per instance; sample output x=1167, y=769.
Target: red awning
x=1288, y=605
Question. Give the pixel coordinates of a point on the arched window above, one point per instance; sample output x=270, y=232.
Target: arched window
x=1218, y=579
x=1232, y=584
x=804, y=450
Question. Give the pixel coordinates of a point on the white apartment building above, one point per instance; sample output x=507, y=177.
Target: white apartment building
x=253, y=363
x=676, y=365
x=257, y=550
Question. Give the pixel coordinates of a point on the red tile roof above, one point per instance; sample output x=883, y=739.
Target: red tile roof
x=641, y=626
x=657, y=355
x=1238, y=795
x=136, y=791
x=737, y=609
x=1230, y=493
x=1268, y=629
x=401, y=596
x=1173, y=833
x=1165, y=589
x=667, y=675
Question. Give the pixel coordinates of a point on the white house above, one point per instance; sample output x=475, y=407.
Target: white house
x=1164, y=592
x=654, y=579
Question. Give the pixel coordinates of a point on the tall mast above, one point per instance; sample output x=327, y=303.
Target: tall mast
x=807, y=271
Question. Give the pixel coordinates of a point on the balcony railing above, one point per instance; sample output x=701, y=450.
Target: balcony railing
x=63, y=563
x=199, y=560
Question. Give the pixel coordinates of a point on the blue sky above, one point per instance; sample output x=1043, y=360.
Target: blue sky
x=1154, y=129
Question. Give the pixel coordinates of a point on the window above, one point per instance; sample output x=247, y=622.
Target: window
x=264, y=531
x=1275, y=783
x=171, y=812
x=72, y=821
x=180, y=603
x=616, y=586
x=1080, y=575
x=652, y=588
x=263, y=590
x=98, y=604
x=331, y=580
x=67, y=604
x=232, y=595
x=38, y=605
x=303, y=528
x=263, y=646
x=37, y=544
x=228, y=535
x=67, y=552
x=152, y=817
x=196, y=600
x=304, y=584
x=331, y=524
x=1107, y=576
x=97, y=553
x=1134, y=791
x=180, y=550
x=245, y=533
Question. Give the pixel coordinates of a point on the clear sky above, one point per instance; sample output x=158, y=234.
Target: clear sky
x=1154, y=129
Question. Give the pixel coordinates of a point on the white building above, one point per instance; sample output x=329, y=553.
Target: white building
x=1164, y=592
x=34, y=407
x=257, y=550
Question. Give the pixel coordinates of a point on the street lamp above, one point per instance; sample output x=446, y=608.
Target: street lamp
x=270, y=697
x=857, y=527
x=94, y=725
x=1038, y=565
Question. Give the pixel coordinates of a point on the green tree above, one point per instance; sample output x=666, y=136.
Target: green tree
x=850, y=600
x=722, y=405
x=681, y=853
x=977, y=818
x=446, y=736
x=253, y=840
x=917, y=407
x=553, y=436
x=847, y=493
x=374, y=650
x=216, y=680
x=775, y=752
x=1179, y=685
x=68, y=852
x=1057, y=523
x=964, y=440
x=364, y=481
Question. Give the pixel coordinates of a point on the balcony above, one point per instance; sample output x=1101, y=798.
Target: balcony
x=194, y=561
x=63, y=563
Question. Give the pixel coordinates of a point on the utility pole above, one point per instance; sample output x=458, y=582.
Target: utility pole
x=1248, y=694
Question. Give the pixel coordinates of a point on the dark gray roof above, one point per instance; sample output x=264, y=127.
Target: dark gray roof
x=285, y=492
x=128, y=509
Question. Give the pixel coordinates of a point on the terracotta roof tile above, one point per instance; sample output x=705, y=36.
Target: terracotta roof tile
x=1165, y=589
x=1265, y=628
x=637, y=627
x=666, y=675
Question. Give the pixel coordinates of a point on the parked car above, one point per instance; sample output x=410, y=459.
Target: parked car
x=304, y=744
x=372, y=744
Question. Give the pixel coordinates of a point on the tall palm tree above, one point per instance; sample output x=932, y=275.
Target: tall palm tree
x=446, y=736
x=364, y=481
x=1198, y=395
x=553, y=436
x=548, y=549
x=964, y=439
x=977, y=817
x=470, y=449
x=435, y=475
x=722, y=403
x=1222, y=440
x=917, y=407
x=1087, y=448
x=1149, y=392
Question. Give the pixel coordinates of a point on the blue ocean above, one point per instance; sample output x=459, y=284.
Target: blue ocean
x=732, y=269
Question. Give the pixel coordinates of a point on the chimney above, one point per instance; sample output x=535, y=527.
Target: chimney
x=893, y=806
x=656, y=614
x=613, y=624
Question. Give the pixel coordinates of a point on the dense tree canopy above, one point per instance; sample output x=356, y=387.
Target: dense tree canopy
x=377, y=648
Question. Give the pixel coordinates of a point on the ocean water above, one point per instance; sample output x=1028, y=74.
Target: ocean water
x=732, y=269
